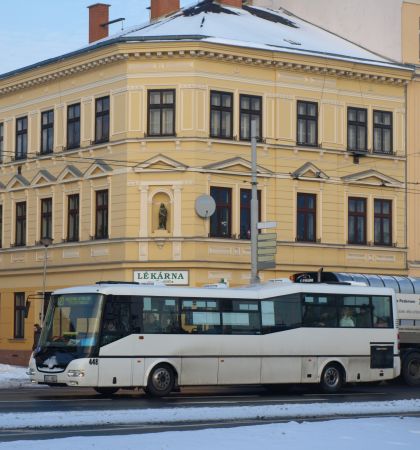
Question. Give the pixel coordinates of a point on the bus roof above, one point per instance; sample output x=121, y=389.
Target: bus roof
x=258, y=291
x=400, y=284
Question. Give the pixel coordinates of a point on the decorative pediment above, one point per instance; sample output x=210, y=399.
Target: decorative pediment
x=236, y=164
x=161, y=162
x=98, y=169
x=17, y=182
x=70, y=173
x=43, y=178
x=309, y=170
x=371, y=177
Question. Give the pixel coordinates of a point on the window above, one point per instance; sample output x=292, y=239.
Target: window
x=250, y=110
x=1, y=142
x=307, y=123
x=383, y=222
x=245, y=213
x=1, y=226
x=281, y=313
x=221, y=114
x=319, y=310
x=102, y=120
x=20, y=238
x=357, y=221
x=47, y=132
x=46, y=218
x=101, y=229
x=19, y=331
x=241, y=317
x=220, y=221
x=21, y=138
x=382, y=312
x=382, y=132
x=306, y=218
x=357, y=129
x=73, y=126
x=73, y=218
x=161, y=112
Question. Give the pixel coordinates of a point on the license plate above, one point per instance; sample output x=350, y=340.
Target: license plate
x=50, y=378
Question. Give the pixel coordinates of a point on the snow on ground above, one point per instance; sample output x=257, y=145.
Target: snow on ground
x=351, y=434
x=13, y=377
x=374, y=433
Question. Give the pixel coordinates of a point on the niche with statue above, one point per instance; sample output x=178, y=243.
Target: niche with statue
x=161, y=214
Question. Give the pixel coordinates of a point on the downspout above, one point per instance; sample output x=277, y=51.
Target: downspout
x=406, y=176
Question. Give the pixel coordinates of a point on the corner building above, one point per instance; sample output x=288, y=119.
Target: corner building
x=93, y=143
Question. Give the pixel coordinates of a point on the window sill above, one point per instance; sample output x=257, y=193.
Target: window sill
x=17, y=340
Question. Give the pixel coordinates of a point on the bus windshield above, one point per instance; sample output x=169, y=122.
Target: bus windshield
x=72, y=323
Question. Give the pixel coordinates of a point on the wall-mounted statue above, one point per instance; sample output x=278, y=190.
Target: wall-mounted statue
x=163, y=217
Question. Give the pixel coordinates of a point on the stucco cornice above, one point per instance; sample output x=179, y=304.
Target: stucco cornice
x=311, y=65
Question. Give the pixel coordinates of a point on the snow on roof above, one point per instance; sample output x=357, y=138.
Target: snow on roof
x=248, y=27
x=251, y=27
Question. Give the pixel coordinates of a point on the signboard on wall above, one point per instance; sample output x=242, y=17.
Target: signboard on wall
x=176, y=277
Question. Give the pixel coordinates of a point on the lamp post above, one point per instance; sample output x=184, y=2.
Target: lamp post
x=46, y=242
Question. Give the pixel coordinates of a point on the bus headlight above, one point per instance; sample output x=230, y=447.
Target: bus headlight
x=76, y=373
x=30, y=371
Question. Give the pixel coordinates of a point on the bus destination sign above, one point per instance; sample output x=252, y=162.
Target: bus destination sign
x=176, y=277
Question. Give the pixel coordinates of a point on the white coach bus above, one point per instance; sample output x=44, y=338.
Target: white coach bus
x=123, y=335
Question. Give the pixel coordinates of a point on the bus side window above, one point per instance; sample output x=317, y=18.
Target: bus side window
x=281, y=313
x=382, y=312
x=319, y=310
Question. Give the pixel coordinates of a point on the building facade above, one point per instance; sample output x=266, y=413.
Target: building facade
x=390, y=28
x=105, y=151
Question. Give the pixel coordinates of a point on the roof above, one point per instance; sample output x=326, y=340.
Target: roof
x=250, y=27
x=252, y=292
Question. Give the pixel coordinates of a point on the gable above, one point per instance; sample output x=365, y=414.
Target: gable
x=236, y=164
x=17, y=182
x=161, y=162
x=70, y=173
x=98, y=169
x=42, y=178
x=371, y=177
x=309, y=170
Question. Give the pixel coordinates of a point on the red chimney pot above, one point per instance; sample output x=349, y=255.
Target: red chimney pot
x=98, y=17
x=233, y=3
x=162, y=8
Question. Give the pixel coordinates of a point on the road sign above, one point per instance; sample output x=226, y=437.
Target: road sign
x=266, y=265
x=267, y=237
x=265, y=225
x=267, y=251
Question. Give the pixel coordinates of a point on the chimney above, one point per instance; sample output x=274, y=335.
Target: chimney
x=232, y=3
x=162, y=8
x=98, y=17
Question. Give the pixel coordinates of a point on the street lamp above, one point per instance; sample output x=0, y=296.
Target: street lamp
x=46, y=242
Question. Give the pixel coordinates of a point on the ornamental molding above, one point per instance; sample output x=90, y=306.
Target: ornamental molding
x=202, y=54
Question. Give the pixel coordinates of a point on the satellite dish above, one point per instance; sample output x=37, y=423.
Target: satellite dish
x=205, y=206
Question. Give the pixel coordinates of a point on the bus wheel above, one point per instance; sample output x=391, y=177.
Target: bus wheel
x=161, y=381
x=331, y=378
x=411, y=369
x=106, y=390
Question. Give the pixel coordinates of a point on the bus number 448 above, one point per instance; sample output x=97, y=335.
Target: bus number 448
x=93, y=361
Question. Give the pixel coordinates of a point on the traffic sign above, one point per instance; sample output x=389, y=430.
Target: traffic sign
x=267, y=237
x=265, y=225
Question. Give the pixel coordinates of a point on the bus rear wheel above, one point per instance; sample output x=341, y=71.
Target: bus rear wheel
x=106, y=390
x=332, y=378
x=161, y=381
x=411, y=369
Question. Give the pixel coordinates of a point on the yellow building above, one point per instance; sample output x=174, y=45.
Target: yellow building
x=390, y=28
x=106, y=150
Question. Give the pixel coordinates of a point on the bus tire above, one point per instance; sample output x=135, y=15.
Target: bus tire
x=411, y=369
x=332, y=378
x=161, y=381
x=106, y=390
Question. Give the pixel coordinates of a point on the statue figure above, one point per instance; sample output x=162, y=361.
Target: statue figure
x=163, y=217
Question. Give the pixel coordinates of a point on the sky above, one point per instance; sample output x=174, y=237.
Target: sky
x=34, y=30
x=385, y=433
